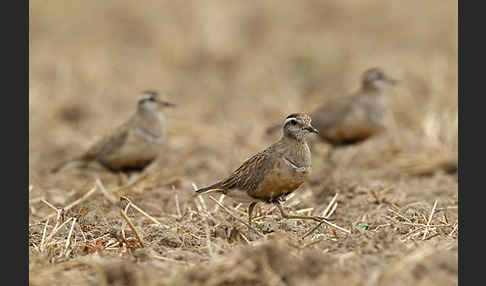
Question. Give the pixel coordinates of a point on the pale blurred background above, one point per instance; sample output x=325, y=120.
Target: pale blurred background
x=233, y=67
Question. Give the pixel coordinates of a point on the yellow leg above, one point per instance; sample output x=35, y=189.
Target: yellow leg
x=250, y=210
x=287, y=216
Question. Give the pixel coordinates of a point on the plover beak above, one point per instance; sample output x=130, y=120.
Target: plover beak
x=312, y=129
x=167, y=104
x=392, y=81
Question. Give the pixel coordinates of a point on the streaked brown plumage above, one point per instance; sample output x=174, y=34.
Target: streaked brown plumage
x=134, y=144
x=275, y=172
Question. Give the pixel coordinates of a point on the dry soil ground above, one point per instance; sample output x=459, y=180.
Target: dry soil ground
x=234, y=68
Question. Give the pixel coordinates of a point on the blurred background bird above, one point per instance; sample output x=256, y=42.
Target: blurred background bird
x=134, y=144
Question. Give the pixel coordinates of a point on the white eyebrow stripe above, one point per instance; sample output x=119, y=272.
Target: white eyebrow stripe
x=289, y=119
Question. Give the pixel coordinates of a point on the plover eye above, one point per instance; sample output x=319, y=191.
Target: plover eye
x=293, y=122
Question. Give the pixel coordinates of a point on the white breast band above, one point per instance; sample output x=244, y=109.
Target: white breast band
x=298, y=169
